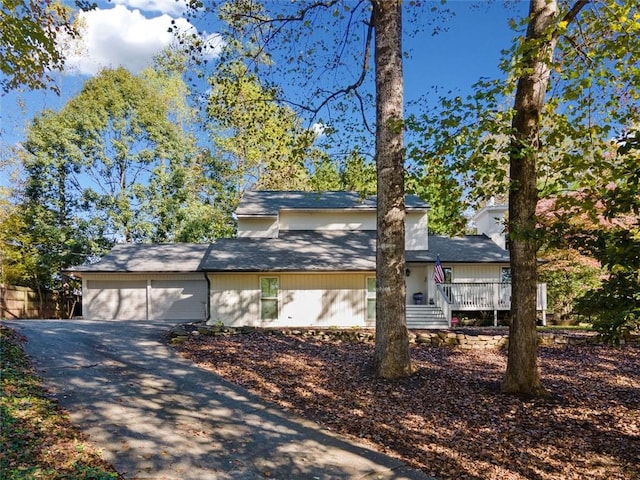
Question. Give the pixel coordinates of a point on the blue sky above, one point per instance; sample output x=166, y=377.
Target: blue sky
x=130, y=32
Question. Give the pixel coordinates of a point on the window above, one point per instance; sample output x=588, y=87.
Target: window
x=448, y=274
x=269, y=287
x=505, y=275
x=371, y=298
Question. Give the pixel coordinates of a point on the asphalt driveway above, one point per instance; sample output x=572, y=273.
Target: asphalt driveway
x=157, y=416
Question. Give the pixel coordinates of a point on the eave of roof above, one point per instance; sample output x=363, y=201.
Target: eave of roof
x=293, y=251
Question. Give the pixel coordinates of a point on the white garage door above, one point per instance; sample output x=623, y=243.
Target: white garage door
x=178, y=299
x=115, y=300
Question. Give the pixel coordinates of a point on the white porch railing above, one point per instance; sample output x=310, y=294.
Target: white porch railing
x=443, y=302
x=482, y=296
x=485, y=296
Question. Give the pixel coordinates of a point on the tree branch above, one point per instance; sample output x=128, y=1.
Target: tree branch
x=268, y=29
x=353, y=88
x=573, y=13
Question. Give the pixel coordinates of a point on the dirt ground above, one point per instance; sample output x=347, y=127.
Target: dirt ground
x=448, y=418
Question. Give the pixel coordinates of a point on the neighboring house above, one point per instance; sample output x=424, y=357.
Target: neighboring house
x=300, y=259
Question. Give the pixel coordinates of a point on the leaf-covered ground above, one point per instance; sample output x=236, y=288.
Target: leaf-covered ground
x=37, y=439
x=449, y=418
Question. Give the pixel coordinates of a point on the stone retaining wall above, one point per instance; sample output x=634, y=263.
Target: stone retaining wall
x=436, y=338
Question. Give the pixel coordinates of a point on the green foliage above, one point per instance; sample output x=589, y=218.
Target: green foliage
x=569, y=276
x=436, y=183
x=608, y=231
x=355, y=174
x=616, y=243
x=13, y=268
x=191, y=201
x=617, y=302
x=121, y=154
x=121, y=130
x=358, y=175
x=118, y=162
x=29, y=48
x=263, y=142
x=595, y=91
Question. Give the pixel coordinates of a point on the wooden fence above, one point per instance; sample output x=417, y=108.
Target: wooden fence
x=23, y=302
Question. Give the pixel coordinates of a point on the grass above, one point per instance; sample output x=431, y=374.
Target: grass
x=37, y=439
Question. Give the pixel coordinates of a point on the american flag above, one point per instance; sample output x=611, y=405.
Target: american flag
x=438, y=272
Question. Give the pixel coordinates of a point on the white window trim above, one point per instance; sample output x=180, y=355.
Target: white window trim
x=276, y=298
x=444, y=269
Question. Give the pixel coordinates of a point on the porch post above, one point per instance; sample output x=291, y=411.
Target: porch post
x=496, y=302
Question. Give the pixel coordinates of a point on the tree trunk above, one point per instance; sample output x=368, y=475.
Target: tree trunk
x=522, y=371
x=391, y=358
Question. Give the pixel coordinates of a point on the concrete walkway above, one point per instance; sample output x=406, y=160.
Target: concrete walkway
x=157, y=416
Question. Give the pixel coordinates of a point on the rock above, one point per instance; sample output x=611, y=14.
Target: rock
x=178, y=331
x=178, y=340
x=209, y=330
x=423, y=338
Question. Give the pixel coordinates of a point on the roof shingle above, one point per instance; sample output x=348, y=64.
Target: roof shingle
x=269, y=203
x=132, y=257
x=300, y=251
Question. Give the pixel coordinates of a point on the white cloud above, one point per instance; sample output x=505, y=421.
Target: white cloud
x=121, y=37
x=319, y=129
x=170, y=7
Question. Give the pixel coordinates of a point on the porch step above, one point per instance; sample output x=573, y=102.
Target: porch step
x=425, y=317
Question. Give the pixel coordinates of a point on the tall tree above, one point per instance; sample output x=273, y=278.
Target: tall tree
x=573, y=80
x=353, y=174
x=122, y=130
x=13, y=267
x=190, y=194
x=522, y=374
x=391, y=359
x=435, y=182
x=318, y=43
x=122, y=153
x=55, y=234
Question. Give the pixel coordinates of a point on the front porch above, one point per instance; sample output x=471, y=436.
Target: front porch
x=450, y=297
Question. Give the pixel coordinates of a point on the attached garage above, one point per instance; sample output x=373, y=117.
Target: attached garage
x=114, y=299
x=146, y=282
x=178, y=299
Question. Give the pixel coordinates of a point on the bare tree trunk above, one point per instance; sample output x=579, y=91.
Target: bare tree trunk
x=391, y=359
x=522, y=371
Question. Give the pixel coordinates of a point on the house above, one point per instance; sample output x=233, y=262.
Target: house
x=299, y=259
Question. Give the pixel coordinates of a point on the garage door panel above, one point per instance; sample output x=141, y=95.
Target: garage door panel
x=116, y=300
x=178, y=299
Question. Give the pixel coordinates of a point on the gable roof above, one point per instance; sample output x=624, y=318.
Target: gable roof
x=136, y=257
x=269, y=203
